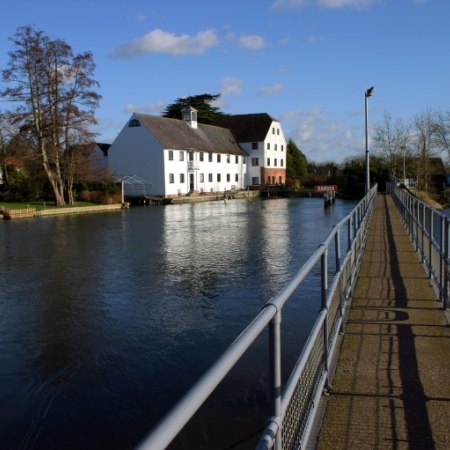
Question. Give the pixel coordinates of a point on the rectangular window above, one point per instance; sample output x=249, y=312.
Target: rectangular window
x=210, y=177
x=201, y=156
x=255, y=162
x=218, y=157
x=236, y=159
x=282, y=163
x=170, y=155
x=171, y=178
x=181, y=177
x=202, y=178
x=254, y=146
x=275, y=162
x=228, y=158
x=278, y=131
x=218, y=177
x=255, y=180
x=273, y=130
x=268, y=162
x=268, y=146
x=181, y=156
x=236, y=177
x=282, y=147
x=228, y=178
x=191, y=156
x=210, y=157
x=275, y=147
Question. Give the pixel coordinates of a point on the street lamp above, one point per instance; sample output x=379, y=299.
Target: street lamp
x=367, y=94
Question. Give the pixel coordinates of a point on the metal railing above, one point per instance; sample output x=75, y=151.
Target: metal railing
x=293, y=407
x=429, y=231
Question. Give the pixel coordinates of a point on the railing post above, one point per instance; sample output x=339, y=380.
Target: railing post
x=337, y=250
x=446, y=254
x=275, y=374
x=430, y=245
x=442, y=258
x=324, y=291
x=349, y=234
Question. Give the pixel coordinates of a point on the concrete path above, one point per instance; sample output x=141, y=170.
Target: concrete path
x=391, y=389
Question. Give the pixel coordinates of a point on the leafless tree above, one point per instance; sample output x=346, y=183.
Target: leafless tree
x=391, y=139
x=56, y=98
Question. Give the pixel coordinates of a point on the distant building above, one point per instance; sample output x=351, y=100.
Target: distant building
x=176, y=157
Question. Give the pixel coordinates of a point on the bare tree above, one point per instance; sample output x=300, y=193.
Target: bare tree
x=391, y=139
x=426, y=146
x=55, y=92
x=442, y=131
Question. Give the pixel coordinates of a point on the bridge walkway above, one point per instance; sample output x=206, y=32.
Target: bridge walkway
x=391, y=388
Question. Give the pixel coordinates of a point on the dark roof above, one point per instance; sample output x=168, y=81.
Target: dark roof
x=104, y=148
x=248, y=127
x=179, y=135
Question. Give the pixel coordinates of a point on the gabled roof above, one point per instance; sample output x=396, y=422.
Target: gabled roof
x=248, y=127
x=104, y=148
x=179, y=135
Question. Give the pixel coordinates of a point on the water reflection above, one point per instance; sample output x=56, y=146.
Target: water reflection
x=105, y=320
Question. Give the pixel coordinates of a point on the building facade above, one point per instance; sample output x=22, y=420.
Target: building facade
x=177, y=157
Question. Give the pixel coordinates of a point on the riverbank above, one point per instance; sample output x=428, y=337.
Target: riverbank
x=24, y=213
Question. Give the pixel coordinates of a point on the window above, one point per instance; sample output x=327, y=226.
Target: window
x=202, y=178
x=282, y=163
x=275, y=147
x=181, y=177
x=134, y=123
x=218, y=177
x=273, y=130
x=171, y=178
x=191, y=156
x=228, y=178
x=255, y=161
x=255, y=180
x=170, y=155
x=268, y=146
x=228, y=158
x=275, y=162
x=218, y=157
x=268, y=161
x=254, y=146
x=201, y=156
x=268, y=180
x=236, y=159
x=278, y=131
x=282, y=147
x=181, y=156
x=280, y=180
x=210, y=178
x=236, y=177
x=209, y=157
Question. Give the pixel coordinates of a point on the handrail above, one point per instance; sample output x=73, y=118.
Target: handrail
x=429, y=231
x=325, y=330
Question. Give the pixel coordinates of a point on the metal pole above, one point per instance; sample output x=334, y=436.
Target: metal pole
x=275, y=373
x=367, y=94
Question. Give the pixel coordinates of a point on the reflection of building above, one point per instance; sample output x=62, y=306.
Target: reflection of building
x=181, y=156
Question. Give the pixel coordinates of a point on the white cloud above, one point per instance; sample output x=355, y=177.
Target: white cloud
x=319, y=138
x=160, y=41
x=252, y=42
x=150, y=108
x=139, y=17
x=231, y=85
x=294, y=4
x=270, y=90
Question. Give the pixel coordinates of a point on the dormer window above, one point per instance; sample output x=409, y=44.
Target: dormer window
x=189, y=115
x=134, y=123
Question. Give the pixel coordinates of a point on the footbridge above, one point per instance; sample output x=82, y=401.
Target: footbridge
x=375, y=370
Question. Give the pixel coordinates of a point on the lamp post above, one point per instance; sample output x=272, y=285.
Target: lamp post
x=367, y=94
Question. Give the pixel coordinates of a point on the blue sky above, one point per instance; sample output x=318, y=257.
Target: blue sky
x=305, y=62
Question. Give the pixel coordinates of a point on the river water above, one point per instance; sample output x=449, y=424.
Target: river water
x=107, y=319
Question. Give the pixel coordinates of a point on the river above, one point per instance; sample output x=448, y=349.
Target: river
x=107, y=319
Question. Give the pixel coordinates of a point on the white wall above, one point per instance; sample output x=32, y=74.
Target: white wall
x=136, y=152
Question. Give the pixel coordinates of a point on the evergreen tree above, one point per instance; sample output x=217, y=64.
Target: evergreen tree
x=296, y=164
x=206, y=113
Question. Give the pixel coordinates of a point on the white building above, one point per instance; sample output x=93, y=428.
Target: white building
x=176, y=157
